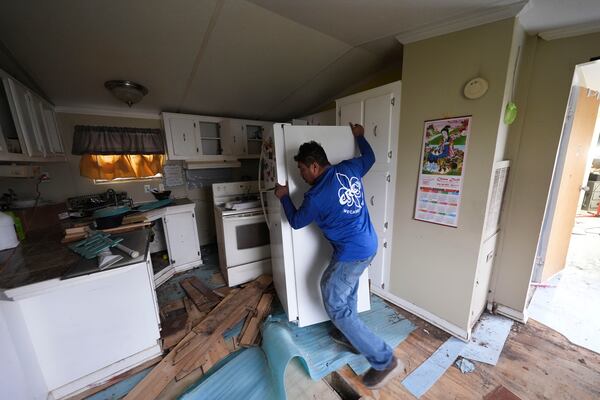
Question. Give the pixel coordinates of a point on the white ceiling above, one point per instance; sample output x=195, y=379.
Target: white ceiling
x=269, y=59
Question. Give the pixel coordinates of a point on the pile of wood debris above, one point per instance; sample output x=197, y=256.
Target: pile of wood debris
x=195, y=338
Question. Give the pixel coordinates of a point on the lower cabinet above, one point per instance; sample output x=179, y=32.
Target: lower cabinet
x=71, y=334
x=176, y=247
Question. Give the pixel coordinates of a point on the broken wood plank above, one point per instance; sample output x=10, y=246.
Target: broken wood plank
x=172, y=306
x=250, y=334
x=127, y=228
x=204, y=290
x=203, y=303
x=173, y=330
x=218, y=350
x=211, y=327
x=222, y=291
x=225, y=315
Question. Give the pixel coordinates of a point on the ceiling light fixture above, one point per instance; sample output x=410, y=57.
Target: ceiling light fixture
x=126, y=91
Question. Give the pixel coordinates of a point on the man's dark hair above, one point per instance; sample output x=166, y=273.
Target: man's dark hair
x=311, y=152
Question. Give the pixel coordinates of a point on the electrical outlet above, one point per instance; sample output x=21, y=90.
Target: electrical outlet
x=161, y=187
x=146, y=188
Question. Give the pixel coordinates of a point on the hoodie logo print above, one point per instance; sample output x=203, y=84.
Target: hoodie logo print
x=349, y=193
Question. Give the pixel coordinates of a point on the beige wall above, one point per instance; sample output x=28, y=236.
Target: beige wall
x=544, y=92
x=434, y=267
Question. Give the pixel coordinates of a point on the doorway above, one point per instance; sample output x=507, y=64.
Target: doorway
x=565, y=282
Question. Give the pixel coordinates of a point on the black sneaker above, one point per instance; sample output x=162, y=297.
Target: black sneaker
x=340, y=339
x=374, y=379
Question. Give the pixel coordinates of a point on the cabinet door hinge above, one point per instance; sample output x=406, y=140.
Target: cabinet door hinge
x=383, y=285
x=390, y=154
x=198, y=252
x=385, y=245
x=193, y=215
x=194, y=124
x=340, y=113
x=388, y=178
x=393, y=101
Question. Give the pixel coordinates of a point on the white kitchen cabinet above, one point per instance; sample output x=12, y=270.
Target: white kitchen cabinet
x=176, y=247
x=243, y=138
x=378, y=111
x=28, y=128
x=20, y=104
x=75, y=333
x=194, y=138
x=49, y=119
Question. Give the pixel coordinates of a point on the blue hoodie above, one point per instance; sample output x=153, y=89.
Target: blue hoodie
x=336, y=202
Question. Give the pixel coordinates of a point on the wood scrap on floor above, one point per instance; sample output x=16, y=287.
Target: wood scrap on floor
x=202, y=302
x=203, y=345
x=249, y=335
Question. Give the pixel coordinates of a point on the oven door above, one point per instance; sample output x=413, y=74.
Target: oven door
x=246, y=239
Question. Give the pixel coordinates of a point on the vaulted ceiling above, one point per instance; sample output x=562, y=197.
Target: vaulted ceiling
x=268, y=59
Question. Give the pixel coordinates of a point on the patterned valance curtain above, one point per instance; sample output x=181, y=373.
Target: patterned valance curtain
x=111, y=152
x=115, y=140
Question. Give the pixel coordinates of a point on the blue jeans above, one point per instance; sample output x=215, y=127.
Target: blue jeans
x=339, y=287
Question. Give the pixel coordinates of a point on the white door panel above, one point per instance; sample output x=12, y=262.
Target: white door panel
x=376, y=188
x=182, y=238
x=183, y=136
x=352, y=112
x=377, y=126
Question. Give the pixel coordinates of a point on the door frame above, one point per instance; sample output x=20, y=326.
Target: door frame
x=559, y=166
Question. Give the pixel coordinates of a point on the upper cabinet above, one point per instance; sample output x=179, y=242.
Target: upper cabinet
x=28, y=128
x=196, y=138
x=244, y=137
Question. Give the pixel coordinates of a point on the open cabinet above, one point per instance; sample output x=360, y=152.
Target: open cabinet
x=175, y=247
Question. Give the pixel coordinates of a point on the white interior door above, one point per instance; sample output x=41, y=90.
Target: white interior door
x=311, y=251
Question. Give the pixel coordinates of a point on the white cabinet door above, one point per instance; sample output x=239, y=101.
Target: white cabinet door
x=49, y=120
x=182, y=238
x=376, y=187
x=232, y=131
x=39, y=126
x=19, y=104
x=181, y=133
x=377, y=118
x=351, y=112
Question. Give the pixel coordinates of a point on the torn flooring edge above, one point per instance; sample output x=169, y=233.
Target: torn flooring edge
x=485, y=346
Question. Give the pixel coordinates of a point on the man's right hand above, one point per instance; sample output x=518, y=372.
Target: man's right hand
x=281, y=190
x=357, y=130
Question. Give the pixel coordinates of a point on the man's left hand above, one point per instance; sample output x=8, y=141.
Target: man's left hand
x=357, y=130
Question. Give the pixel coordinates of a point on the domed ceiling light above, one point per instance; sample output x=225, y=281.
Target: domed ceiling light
x=127, y=91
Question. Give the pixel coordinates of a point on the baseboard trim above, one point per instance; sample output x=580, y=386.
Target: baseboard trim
x=433, y=319
x=512, y=313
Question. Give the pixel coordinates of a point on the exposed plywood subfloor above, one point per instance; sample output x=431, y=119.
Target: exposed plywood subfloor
x=536, y=363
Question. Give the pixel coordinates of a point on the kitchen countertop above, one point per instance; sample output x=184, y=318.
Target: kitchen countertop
x=42, y=257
